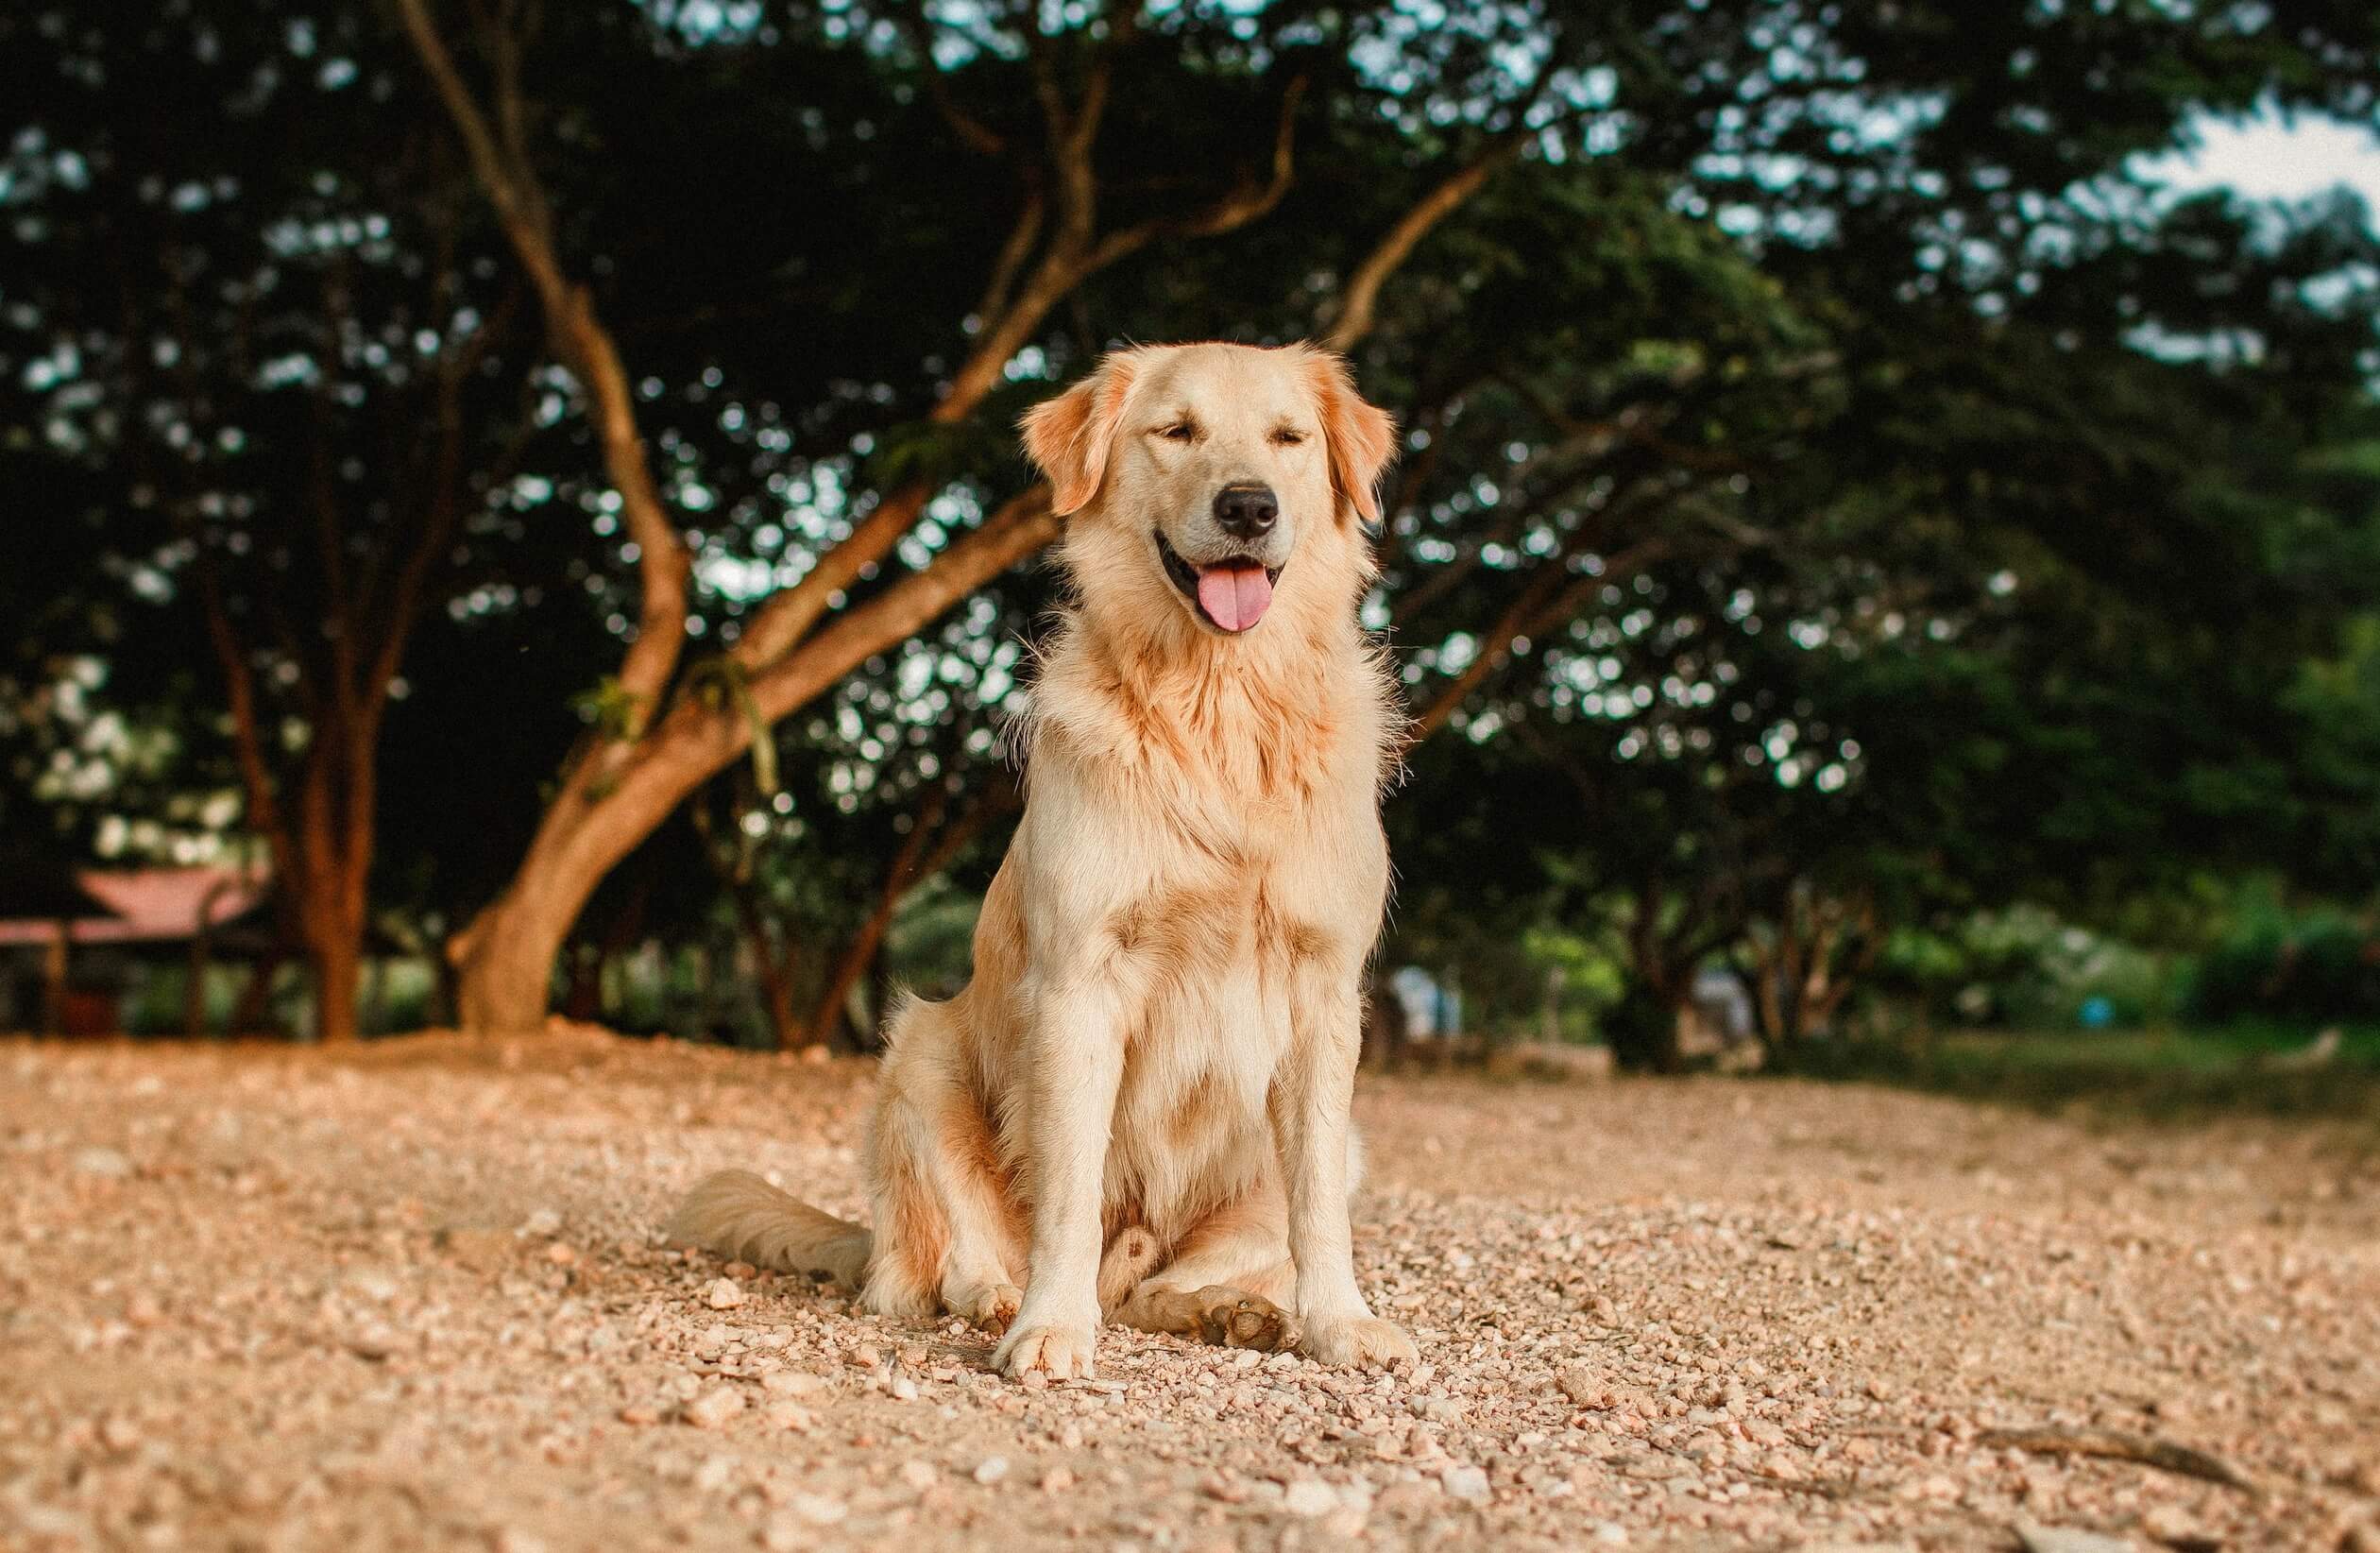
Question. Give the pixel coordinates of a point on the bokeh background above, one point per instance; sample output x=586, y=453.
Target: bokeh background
x=511, y=509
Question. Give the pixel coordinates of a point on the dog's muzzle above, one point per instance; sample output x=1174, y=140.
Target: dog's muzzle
x=1230, y=594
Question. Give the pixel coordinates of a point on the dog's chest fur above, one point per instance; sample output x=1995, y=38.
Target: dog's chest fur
x=1250, y=890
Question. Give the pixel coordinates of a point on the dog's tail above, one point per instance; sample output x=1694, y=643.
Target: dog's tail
x=736, y=1213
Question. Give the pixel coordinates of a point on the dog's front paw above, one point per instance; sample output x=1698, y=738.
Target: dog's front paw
x=1363, y=1342
x=1061, y=1352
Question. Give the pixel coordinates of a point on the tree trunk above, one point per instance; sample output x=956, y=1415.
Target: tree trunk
x=1844, y=973
x=771, y=967
x=505, y=966
x=1642, y=1029
x=330, y=913
x=337, y=963
x=249, y=1015
x=827, y=1021
x=582, y=1002
x=53, y=980
x=448, y=995
x=930, y=847
x=333, y=851
x=619, y=791
x=1807, y=966
x=869, y=1037
x=776, y=1002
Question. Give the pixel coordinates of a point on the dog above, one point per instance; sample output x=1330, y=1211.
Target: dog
x=1138, y=1108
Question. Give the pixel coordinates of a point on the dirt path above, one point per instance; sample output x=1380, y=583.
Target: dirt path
x=413, y=1298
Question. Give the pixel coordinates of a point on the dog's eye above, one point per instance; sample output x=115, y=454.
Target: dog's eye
x=1288, y=437
x=1181, y=430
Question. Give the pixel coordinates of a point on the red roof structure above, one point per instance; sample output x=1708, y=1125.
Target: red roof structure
x=151, y=905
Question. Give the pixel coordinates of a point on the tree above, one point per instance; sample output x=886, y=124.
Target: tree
x=1956, y=642
x=275, y=393
x=1854, y=311
x=654, y=747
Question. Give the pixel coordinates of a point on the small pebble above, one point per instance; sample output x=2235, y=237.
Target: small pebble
x=1311, y=1496
x=714, y=1407
x=818, y=1509
x=107, y=1163
x=2055, y=1539
x=1464, y=1482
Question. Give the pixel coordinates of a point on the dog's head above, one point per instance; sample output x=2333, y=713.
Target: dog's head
x=1210, y=471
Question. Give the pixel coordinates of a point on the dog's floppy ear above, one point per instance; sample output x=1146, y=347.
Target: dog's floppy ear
x=1068, y=437
x=1361, y=437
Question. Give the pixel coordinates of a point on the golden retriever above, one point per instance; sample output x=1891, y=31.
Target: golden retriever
x=1138, y=1107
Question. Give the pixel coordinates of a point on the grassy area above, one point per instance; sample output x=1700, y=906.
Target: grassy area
x=2179, y=1074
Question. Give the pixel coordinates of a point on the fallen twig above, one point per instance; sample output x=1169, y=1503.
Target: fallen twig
x=2117, y=1446
x=1825, y=1487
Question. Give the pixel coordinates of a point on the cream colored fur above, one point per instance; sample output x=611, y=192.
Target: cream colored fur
x=1139, y=1107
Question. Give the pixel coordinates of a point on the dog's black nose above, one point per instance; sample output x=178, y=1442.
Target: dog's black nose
x=1245, y=511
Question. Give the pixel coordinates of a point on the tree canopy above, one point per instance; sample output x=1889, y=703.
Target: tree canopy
x=474, y=447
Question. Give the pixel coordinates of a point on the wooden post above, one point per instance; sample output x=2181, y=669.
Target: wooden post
x=54, y=981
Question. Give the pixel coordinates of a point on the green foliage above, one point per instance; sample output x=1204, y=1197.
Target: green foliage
x=2027, y=968
x=2337, y=701
x=1867, y=495
x=2178, y=1076
x=1588, y=978
x=722, y=685
x=929, y=950
x=612, y=709
x=2318, y=964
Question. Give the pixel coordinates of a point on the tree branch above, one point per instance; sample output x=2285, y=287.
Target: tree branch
x=1013, y=253
x=1359, y=298
x=1071, y=257
x=248, y=737
x=663, y=565
x=1248, y=202
x=1014, y=531
x=1544, y=602
x=972, y=132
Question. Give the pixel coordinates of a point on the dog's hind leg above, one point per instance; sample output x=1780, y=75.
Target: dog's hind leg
x=1222, y=1289
x=947, y=1233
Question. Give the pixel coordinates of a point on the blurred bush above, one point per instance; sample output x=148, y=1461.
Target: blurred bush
x=2028, y=968
x=2311, y=965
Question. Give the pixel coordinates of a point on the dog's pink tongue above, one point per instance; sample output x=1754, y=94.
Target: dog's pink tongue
x=1234, y=597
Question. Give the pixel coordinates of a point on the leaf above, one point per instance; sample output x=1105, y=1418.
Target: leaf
x=616, y=712
x=722, y=680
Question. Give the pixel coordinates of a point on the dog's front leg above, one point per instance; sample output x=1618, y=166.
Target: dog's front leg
x=1073, y=1062
x=1310, y=1101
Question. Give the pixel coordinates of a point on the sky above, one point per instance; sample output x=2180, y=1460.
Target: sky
x=2270, y=157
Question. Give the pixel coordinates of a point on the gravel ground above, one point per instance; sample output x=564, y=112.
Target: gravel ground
x=412, y=1297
